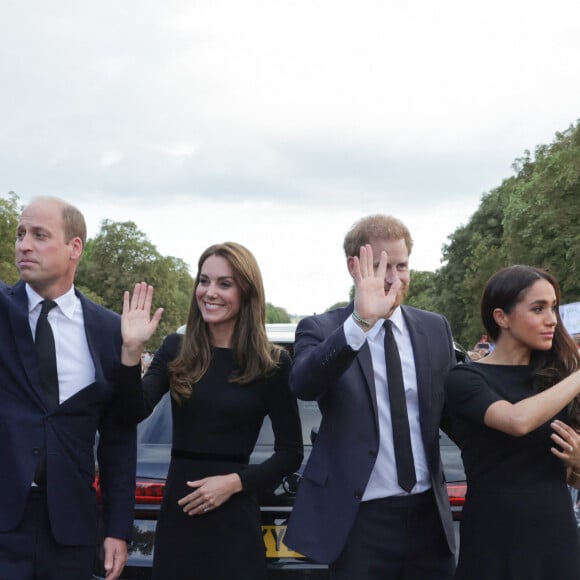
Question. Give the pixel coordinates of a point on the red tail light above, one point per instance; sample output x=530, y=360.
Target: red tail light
x=149, y=492
x=456, y=494
x=145, y=492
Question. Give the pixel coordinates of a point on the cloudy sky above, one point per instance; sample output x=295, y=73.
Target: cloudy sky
x=278, y=123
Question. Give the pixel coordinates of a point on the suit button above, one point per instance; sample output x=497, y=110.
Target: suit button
x=358, y=496
x=372, y=455
x=35, y=451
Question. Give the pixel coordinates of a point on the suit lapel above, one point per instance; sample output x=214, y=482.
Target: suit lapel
x=365, y=362
x=18, y=313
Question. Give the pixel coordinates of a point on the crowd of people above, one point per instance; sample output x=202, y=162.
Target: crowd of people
x=372, y=502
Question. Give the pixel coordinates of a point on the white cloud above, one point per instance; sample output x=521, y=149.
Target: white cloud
x=110, y=158
x=225, y=119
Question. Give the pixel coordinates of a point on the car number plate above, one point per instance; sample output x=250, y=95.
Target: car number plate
x=274, y=542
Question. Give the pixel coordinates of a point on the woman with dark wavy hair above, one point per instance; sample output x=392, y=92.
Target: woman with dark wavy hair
x=224, y=377
x=513, y=415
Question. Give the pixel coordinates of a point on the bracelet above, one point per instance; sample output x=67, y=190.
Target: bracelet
x=360, y=320
x=574, y=473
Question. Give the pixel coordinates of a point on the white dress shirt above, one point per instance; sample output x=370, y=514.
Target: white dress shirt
x=75, y=366
x=383, y=480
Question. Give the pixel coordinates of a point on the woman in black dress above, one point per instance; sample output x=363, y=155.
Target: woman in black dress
x=224, y=378
x=511, y=415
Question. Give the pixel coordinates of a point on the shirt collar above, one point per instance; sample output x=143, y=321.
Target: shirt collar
x=66, y=303
x=396, y=318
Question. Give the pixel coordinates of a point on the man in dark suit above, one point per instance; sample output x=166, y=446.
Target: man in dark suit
x=372, y=502
x=48, y=506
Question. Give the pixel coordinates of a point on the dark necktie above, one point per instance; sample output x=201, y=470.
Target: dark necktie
x=401, y=433
x=46, y=353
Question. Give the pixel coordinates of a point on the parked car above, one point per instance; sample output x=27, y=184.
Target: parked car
x=154, y=454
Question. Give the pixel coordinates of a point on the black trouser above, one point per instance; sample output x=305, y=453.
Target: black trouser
x=30, y=552
x=396, y=538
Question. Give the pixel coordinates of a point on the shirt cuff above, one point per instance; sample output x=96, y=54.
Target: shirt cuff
x=354, y=334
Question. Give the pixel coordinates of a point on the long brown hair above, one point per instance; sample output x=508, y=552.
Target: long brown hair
x=254, y=355
x=508, y=287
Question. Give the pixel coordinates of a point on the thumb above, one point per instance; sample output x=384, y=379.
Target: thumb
x=108, y=562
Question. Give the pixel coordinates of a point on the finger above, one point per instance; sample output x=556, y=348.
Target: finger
x=382, y=268
x=370, y=260
x=144, y=295
x=135, y=297
x=363, y=262
x=356, y=270
x=196, y=508
x=561, y=442
x=108, y=563
x=126, y=302
x=197, y=483
x=562, y=427
x=189, y=498
x=394, y=288
x=141, y=296
x=157, y=316
x=115, y=572
x=148, y=299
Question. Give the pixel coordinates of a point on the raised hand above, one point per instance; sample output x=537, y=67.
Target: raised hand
x=137, y=325
x=371, y=300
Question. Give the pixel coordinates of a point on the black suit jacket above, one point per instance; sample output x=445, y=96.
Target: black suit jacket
x=326, y=369
x=67, y=433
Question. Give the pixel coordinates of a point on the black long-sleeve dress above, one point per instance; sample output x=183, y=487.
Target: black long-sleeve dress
x=517, y=523
x=214, y=433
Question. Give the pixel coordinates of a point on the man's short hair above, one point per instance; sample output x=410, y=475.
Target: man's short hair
x=74, y=224
x=375, y=227
x=73, y=221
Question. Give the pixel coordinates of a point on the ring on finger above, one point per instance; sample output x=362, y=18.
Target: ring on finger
x=570, y=448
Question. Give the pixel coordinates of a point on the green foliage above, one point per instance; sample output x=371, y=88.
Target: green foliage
x=276, y=314
x=422, y=290
x=120, y=256
x=543, y=216
x=9, y=214
x=531, y=218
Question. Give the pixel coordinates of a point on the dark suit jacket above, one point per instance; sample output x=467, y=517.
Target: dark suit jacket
x=67, y=433
x=326, y=369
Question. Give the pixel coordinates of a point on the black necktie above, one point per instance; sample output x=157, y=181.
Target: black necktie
x=46, y=353
x=401, y=433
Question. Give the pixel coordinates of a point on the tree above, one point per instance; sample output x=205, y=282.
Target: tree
x=542, y=218
x=422, y=290
x=531, y=218
x=120, y=256
x=472, y=255
x=276, y=314
x=9, y=216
